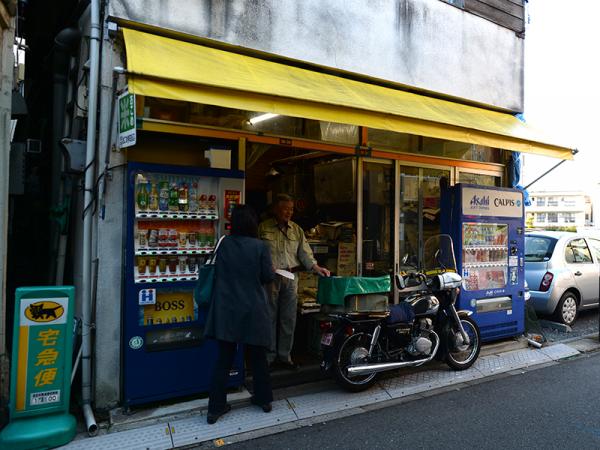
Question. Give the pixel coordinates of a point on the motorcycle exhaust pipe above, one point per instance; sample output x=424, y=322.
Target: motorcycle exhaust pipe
x=365, y=369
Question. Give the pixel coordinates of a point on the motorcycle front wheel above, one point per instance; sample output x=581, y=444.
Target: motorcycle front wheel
x=352, y=351
x=461, y=356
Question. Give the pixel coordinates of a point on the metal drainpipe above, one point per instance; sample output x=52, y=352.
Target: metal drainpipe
x=86, y=363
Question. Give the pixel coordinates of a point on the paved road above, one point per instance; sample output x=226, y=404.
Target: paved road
x=551, y=407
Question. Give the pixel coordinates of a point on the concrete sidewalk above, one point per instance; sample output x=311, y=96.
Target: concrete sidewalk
x=184, y=424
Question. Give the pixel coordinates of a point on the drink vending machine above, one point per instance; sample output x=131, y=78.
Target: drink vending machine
x=175, y=216
x=487, y=227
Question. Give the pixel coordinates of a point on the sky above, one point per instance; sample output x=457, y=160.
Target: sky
x=562, y=90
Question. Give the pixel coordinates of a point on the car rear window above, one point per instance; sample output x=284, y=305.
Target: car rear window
x=538, y=248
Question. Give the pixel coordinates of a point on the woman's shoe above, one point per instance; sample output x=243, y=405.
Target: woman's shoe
x=266, y=407
x=211, y=418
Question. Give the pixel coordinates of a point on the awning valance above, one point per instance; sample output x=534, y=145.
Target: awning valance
x=168, y=68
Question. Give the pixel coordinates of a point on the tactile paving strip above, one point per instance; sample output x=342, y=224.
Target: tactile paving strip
x=155, y=437
x=414, y=383
x=505, y=362
x=559, y=351
x=195, y=430
x=337, y=400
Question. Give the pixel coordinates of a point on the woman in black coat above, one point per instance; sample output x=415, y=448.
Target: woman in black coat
x=239, y=312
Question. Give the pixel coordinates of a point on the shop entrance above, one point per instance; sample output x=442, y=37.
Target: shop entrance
x=360, y=216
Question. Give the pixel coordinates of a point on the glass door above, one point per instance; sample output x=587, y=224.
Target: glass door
x=419, y=209
x=377, y=188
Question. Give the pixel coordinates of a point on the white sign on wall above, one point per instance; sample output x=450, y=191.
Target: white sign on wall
x=492, y=203
x=127, y=126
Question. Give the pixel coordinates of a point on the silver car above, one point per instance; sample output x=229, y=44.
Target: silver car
x=563, y=273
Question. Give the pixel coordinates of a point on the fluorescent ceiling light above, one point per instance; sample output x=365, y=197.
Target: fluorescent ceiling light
x=261, y=118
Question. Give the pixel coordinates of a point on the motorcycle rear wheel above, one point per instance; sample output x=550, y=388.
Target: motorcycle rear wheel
x=353, y=350
x=458, y=355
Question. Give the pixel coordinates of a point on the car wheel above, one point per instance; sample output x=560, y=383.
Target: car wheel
x=566, y=310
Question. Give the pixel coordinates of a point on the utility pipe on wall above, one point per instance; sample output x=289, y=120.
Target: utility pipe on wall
x=90, y=154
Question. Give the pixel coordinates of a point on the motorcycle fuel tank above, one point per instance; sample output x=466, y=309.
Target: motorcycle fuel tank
x=424, y=304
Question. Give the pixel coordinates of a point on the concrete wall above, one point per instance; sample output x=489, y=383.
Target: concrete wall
x=109, y=240
x=427, y=44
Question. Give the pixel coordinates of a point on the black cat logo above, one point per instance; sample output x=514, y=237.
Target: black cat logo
x=44, y=311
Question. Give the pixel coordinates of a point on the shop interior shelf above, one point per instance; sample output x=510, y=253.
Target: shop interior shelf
x=157, y=215
x=173, y=251
x=159, y=278
x=486, y=264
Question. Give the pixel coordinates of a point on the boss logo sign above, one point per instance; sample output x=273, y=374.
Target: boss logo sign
x=173, y=305
x=44, y=311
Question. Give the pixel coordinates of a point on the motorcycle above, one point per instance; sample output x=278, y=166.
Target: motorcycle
x=358, y=346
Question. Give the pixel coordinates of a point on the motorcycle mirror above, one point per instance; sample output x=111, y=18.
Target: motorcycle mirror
x=400, y=284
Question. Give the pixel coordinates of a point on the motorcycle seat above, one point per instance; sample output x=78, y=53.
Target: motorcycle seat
x=401, y=313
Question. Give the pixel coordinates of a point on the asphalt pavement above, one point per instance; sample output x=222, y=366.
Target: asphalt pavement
x=555, y=406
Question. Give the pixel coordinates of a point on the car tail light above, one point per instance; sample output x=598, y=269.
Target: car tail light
x=546, y=281
x=349, y=330
x=326, y=326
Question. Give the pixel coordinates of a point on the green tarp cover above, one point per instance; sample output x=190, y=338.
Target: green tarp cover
x=333, y=290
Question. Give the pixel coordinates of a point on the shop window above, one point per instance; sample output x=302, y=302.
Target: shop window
x=378, y=214
x=419, y=209
x=552, y=217
x=541, y=217
x=236, y=119
x=409, y=143
x=480, y=179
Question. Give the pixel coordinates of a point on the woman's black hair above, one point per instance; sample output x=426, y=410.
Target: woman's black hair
x=244, y=221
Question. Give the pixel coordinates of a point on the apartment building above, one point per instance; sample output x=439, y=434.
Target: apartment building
x=550, y=209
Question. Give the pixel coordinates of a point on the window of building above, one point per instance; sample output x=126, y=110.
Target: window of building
x=568, y=217
x=540, y=201
x=552, y=217
x=540, y=217
x=552, y=201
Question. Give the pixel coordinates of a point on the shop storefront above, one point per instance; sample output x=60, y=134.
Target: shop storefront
x=364, y=163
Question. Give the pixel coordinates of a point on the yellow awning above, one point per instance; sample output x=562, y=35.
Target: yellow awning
x=168, y=68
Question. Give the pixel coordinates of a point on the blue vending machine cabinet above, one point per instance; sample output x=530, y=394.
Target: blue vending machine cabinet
x=487, y=227
x=174, y=218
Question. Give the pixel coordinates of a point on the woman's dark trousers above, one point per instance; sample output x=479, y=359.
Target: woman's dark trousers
x=260, y=376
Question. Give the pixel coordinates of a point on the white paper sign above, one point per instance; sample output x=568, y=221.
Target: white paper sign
x=492, y=203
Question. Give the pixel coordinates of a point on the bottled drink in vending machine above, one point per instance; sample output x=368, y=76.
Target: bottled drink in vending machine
x=142, y=196
x=193, y=197
x=203, y=203
x=163, y=196
x=210, y=234
x=212, y=204
x=183, y=197
x=173, y=198
x=153, y=200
